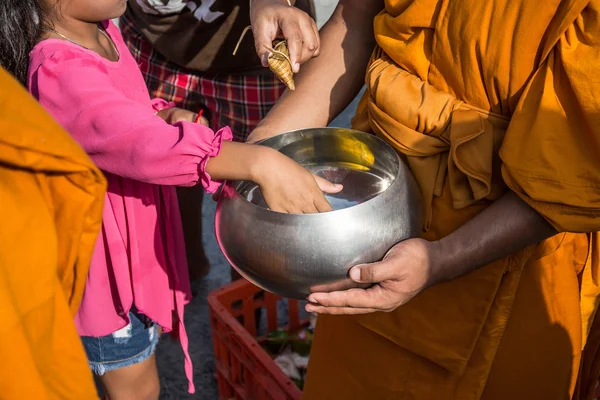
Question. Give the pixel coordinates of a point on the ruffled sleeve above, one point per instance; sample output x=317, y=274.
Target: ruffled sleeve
x=551, y=151
x=160, y=104
x=210, y=185
x=122, y=136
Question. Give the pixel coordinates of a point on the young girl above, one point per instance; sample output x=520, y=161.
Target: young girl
x=82, y=73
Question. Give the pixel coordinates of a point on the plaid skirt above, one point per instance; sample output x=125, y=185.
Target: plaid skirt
x=239, y=101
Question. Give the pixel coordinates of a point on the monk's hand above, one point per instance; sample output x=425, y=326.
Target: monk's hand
x=272, y=19
x=408, y=268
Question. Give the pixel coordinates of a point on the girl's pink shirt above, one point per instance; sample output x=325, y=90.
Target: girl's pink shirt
x=139, y=259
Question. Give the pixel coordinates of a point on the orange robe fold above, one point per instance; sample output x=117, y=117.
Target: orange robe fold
x=51, y=212
x=482, y=97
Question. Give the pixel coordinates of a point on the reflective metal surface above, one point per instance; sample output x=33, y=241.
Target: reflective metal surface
x=296, y=254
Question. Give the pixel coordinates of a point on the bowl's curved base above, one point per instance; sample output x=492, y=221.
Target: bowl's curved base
x=300, y=293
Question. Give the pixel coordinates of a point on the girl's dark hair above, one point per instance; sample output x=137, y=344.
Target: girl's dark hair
x=20, y=29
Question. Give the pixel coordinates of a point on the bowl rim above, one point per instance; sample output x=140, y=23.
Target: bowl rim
x=401, y=165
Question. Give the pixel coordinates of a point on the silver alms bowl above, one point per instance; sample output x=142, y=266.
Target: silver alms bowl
x=294, y=255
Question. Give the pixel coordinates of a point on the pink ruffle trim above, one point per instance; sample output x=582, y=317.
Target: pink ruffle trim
x=160, y=104
x=209, y=185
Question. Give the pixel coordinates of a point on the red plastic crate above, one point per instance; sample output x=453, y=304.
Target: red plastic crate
x=244, y=370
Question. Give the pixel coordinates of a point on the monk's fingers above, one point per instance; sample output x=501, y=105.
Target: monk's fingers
x=381, y=271
x=339, y=310
x=375, y=297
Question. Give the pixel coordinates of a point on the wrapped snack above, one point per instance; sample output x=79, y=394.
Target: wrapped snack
x=290, y=351
x=285, y=361
x=301, y=362
x=281, y=65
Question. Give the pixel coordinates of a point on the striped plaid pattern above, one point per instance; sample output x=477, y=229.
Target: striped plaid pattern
x=239, y=101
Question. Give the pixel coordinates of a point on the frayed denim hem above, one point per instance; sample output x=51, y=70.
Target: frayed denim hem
x=100, y=368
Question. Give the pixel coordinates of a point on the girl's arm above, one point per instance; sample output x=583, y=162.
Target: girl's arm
x=285, y=184
x=122, y=136
x=127, y=139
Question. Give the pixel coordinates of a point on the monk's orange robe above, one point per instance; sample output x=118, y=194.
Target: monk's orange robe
x=50, y=214
x=481, y=97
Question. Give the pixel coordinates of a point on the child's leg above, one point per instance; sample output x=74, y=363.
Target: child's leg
x=124, y=360
x=136, y=382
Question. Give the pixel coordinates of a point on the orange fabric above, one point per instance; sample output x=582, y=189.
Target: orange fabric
x=481, y=97
x=51, y=211
x=439, y=135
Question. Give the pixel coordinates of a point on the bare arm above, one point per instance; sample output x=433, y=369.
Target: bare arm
x=285, y=184
x=505, y=227
x=326, y=84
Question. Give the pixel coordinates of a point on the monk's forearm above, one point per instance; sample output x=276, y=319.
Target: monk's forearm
x=326, y=84
x=507, y=226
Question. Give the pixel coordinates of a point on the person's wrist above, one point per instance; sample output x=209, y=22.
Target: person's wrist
x=261, y=162
x=440, y=261
x=451, y=257
x=253, y=3
x=257, y=5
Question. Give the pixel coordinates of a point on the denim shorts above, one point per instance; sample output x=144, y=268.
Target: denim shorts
x=128, y=346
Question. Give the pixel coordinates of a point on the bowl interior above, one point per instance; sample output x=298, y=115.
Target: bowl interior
x=365, y=165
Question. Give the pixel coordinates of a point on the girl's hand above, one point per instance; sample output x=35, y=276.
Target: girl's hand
x=285, y=185
x=289, y=187
x=271, y=19
x=172, y=115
